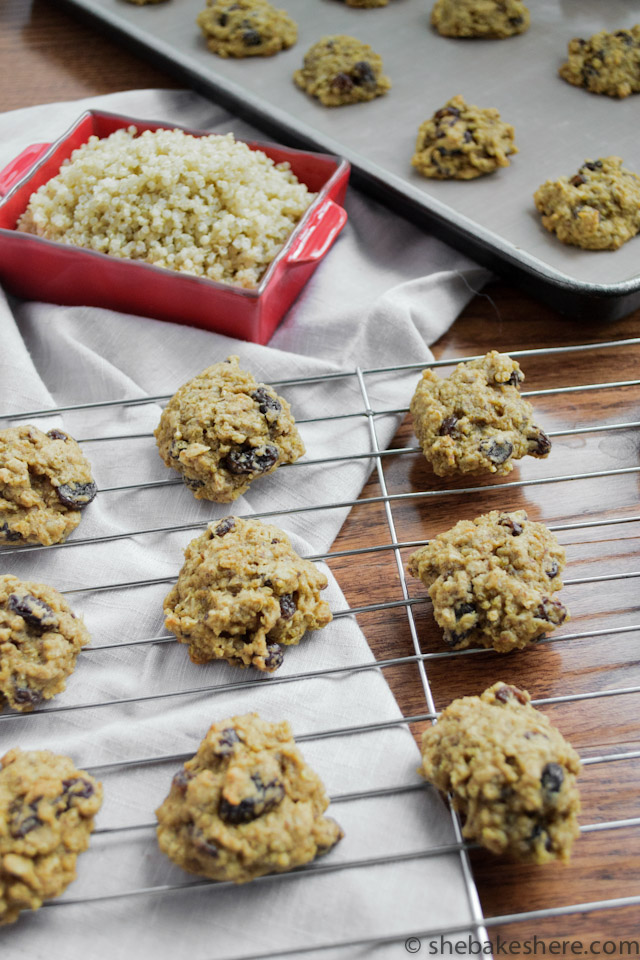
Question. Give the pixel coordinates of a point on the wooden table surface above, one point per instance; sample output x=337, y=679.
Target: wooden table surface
x=46, y=55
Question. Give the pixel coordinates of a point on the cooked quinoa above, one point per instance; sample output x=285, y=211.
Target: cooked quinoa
x=207, y=206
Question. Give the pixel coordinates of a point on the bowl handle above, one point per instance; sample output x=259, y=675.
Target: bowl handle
x=17, y=168
x=320, y=231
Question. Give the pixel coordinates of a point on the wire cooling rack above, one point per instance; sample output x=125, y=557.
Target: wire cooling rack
x=406, y=598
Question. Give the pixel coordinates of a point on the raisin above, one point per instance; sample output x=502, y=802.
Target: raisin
x=274, y=658
x=552, y=777
x=192, y=483
x=497, y=451
x=363, y=74
x=8, y=533
x=266, y=797
x=462, y=609
x=452, y=638
x=554, y=567
x=448, y=425
x=446, y=112
x=515, y=21
x=251, y=38
x=56, y=434
x=181, y=779
x=24, y=819
x=516, y=377
x=537, y=831
x=251, y=459
x=577, y=180
x=76, y=495
x=288, y=606
x=265, y=401
x=77, y=788
x=539, y=444
x=552, y=610
x=592, y=165
x=226, y=742
x=506, y=692
x=177, y=446
x=468, y=136
x=33, y=611
x=201, y=844
x=342, y=82
x=225, y=526
x=223, y=19
x=25, y=695
x=623, y=35
x=507, y=521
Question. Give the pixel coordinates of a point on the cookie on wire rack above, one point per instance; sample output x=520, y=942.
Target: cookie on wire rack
x=492, y=581
x=246, y=805
x=510, y=773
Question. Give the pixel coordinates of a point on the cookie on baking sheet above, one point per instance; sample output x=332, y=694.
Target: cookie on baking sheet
x=480, y=18
x=246, y=28
x=46, y=818
x=510, y=773
x=339, y=70
x=606, y=63
x=475, y=420
x=492, y=580
x=247, y=804
x=45, y=481
x=242, y=594
x=40, y=639
x=223, y=429
x=461, y=142
x=598, y=208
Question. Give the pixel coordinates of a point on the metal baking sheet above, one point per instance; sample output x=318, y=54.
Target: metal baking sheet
x=493, y=218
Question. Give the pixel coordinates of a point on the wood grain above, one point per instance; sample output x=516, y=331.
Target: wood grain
x=47, y=55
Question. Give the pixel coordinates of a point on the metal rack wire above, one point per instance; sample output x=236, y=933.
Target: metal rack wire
x=420, y=660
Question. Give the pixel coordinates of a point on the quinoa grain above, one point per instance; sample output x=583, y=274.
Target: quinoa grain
x=207, y=206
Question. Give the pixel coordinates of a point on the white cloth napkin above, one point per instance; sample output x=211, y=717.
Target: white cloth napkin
x=384, y=292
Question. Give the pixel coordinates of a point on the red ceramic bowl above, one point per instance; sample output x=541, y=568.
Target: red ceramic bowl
x=39, y=269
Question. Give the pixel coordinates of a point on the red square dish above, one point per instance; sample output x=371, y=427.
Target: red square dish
x=39, y=269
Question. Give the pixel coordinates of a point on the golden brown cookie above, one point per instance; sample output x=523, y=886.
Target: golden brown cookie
x=223, y=429
x=247, y=804
x=475, y=420
x=461, y=142
x=40, y=639
x=511, y=774
x=492, y=580
x=243, y=593
x=246, y=28
x=340, y=70
x=46, y=818
x=480, y=18
x=597, y=209
x=606, y=63
x=45, y=481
